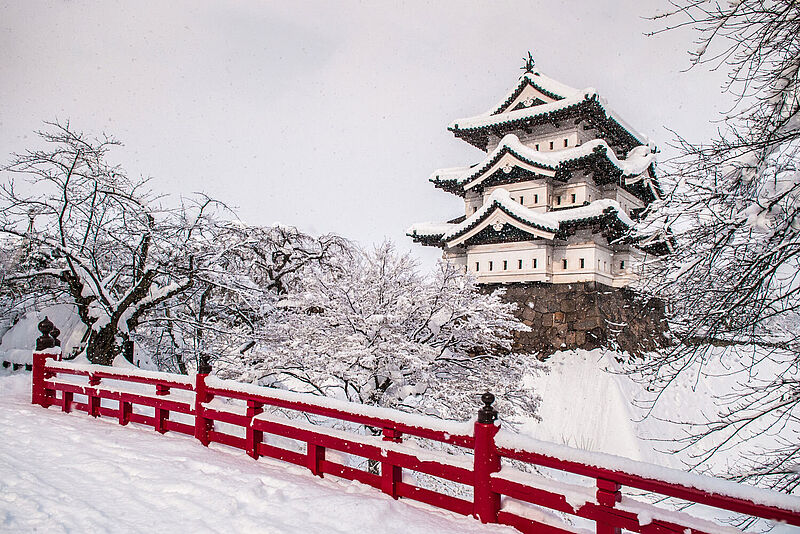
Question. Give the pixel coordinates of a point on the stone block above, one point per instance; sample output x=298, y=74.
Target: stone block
x=588, y=323
x=568, y=304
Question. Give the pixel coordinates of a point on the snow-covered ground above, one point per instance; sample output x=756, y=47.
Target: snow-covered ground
x=72, y=473
x=584, y=406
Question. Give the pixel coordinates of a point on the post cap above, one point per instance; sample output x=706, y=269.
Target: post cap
x=45, y=341
x=487, y=414
x=54, y=334
x=204, y=365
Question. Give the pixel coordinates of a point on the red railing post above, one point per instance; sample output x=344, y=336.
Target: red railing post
x=315, y=454
x=161, y=415
x=254, y=437
x=44, y=349
x=202, y=426
x=391, y=474
x=608, y=494
x=486, y=503
x=38, y=392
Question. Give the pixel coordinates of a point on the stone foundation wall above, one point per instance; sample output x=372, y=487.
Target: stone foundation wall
x=584, y=315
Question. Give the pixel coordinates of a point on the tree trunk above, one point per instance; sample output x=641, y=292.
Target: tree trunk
x=104, y=345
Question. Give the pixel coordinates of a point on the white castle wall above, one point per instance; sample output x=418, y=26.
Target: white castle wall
x=530, y=261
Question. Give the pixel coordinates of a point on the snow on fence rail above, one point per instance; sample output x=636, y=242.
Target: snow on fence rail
x=205, y=407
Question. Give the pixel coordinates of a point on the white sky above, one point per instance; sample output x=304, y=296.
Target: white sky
x=326, y=115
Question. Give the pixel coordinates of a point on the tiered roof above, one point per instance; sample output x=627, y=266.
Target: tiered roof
x=537, y=99
x=511, y=161
x=500, y=210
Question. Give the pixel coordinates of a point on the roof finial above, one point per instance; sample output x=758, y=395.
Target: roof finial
x=529, y=63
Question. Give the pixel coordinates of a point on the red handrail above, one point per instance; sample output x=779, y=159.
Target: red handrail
x=498, y=490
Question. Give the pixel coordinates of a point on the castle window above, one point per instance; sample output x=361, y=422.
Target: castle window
x=583, y=263
x=537, y=147
x=558, y=200
x=505, y=265
x=521, y=199
x=534, y=263
x=622, y=264
x=477, y=266
x=551, y=145
x=574, y=198
x=564, y=263
x=566, y=143
x=605, y=266
x=535, y=199
x=491, y=265
x=474, y=209
x=520, y=264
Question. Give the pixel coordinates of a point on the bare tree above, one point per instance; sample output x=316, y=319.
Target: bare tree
x=112, y=249
x=731, y=218
x=238, y=284
x=371, y=329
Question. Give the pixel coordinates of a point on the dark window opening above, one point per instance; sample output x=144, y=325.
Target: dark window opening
x=566, y=143
x=535, y=199
x=520, y=264
x=521, y=199
x=534, y=263
x=505, y=265
x=491, y=265
x=558, y=200
x=622, y=264
x=564, y=263
x=537, y=146
x=477, y=266
x=551, y=145
x=583, y=263
x=574, y=198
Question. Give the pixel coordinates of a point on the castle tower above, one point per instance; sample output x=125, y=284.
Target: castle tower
x=547, y=213
x=561, y=183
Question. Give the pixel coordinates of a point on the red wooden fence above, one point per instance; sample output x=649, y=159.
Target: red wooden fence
x=500, y=493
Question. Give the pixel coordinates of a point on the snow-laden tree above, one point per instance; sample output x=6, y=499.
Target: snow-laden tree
x=371, y=329
x=236, y=287
x=112, y=250
x=732, y=217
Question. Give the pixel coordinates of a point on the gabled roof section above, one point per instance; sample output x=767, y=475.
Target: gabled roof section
x=536, y=224
x=499, y=208
x=532, y=87
x=510, y=152
x=521, y=155
x=538, y=99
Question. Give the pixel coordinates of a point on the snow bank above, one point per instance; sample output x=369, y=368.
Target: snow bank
x=585, y=407
x=72, y=473
x=16, y=345
x=18, y=342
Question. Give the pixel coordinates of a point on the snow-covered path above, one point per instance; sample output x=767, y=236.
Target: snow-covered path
x=70, y=473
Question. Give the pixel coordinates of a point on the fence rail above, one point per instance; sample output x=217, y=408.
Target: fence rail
x=233, y=414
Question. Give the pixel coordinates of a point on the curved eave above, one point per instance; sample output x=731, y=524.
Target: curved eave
x=589, y=108
x=427, y=240
x=481, y=222
x=598, y=157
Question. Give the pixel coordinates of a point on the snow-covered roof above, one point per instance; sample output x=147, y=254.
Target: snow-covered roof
x=562, y=99
x=638, y=161
x=538, y=81
x=542, y=224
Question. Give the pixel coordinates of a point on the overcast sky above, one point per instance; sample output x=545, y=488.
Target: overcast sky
x=329, y=116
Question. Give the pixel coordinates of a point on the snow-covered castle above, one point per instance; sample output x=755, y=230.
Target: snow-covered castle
x=552, y=201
